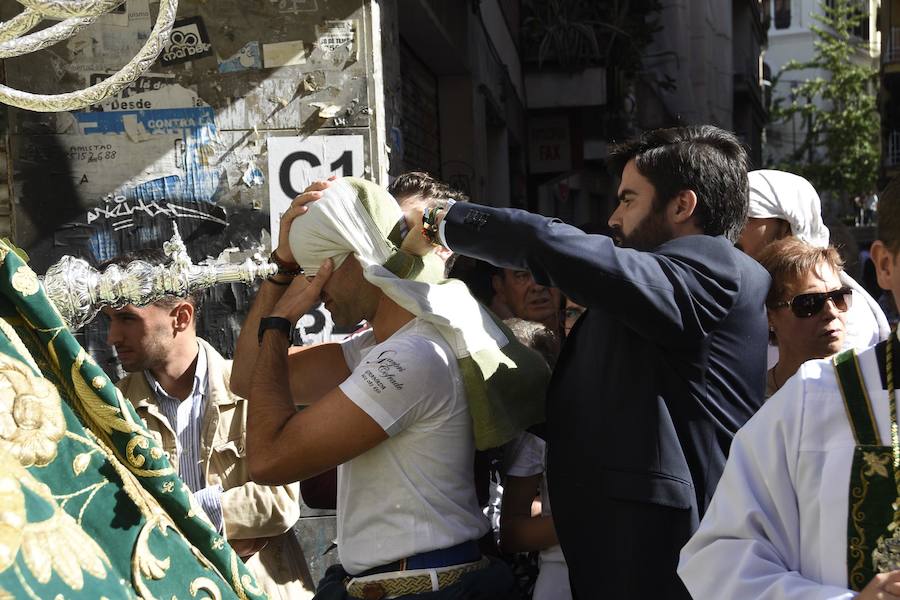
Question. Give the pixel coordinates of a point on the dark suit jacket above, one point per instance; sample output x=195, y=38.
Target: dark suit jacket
x=665, y=365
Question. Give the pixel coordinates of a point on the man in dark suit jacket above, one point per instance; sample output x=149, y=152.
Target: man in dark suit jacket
x=663, y=368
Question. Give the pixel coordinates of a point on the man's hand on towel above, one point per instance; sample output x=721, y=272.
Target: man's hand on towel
x=303, y=294
x=297, y=208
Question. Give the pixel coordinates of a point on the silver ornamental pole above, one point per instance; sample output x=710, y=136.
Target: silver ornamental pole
x=79, y=290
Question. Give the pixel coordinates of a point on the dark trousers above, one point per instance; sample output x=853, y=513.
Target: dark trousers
x=492, y=583
x=632, y=554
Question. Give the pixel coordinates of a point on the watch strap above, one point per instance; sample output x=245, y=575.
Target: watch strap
x=279, y=323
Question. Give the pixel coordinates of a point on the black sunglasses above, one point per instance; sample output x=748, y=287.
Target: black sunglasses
x=807, y=305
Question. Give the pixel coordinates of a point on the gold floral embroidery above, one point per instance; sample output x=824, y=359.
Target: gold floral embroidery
x=875, y=464
x=25, y=281
x=857, y=543
x=31, y=417
x=168, y=487
x=80, y=463
x=143, y=563
x=218, y=544
x=55, y=545
x=12, y=518
x=105, y=416
x=207, y=585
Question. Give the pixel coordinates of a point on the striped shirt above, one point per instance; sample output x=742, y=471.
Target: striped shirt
x=186, y=420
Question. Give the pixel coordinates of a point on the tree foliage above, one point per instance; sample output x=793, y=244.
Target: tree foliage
x=841, y=149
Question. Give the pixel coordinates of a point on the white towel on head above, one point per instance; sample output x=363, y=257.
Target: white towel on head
x=782, y=195
x=340, y=224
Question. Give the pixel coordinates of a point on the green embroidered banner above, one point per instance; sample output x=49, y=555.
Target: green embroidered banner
x=90, y=506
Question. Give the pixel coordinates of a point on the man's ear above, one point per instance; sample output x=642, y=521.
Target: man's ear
x=497, y=284
x=682, y=206
x=884, y=262
x=183, y=312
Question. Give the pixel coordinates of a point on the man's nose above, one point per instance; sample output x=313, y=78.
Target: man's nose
x=112, y=335
x=614, y=219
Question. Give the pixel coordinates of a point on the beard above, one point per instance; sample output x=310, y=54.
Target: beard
x=651, y=232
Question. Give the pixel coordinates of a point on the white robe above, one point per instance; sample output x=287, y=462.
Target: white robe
x=777, y=525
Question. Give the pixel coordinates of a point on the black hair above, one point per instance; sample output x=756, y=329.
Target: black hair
x=709, y=161
x=419, y=183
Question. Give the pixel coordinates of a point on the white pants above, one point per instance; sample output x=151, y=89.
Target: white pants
x=552, y=582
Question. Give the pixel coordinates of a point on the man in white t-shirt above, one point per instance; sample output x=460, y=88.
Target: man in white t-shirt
x=389, y=405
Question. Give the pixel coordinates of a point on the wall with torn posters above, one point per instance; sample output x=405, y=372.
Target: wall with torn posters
x=250, y=101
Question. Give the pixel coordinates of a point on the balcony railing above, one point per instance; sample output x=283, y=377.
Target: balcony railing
x=892, y=152
x=891, y=46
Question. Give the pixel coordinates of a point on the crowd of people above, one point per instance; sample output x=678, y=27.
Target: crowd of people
x=705, y=393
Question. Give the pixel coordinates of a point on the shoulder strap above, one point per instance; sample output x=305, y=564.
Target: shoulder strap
x=856, y=399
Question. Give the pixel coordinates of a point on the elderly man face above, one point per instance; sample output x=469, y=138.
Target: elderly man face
x=526, y=298
x=759, y=233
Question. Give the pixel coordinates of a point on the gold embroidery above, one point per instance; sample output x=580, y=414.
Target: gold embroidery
x=55, y=545
x=105, y=416
x=80, y=463
x=249, y=584
x=12, y=518
x=31, y=417
x=18, y=344
x=857, y=543
x=143, y=563
x=168, y=487
x=25, y=281
x=218, y=544
x=206, y=584
x=875, y=464
x=235, y=579
x=98, y=382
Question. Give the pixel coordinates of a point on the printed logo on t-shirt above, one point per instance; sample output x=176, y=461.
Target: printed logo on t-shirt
x=384, y=370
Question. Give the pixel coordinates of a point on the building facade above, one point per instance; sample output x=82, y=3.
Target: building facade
x=791, y=38
x=889, y=100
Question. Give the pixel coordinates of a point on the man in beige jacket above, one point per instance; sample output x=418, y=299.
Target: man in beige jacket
x=178, y=385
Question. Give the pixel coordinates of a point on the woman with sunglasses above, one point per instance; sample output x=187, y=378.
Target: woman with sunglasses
x=806, y=305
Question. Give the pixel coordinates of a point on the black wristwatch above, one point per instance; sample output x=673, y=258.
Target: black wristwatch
x=279, y=323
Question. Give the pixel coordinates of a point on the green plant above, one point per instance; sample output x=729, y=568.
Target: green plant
x=840, y=149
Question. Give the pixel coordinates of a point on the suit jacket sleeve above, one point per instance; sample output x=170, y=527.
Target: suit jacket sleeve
x=253, y=510
x=676, y=294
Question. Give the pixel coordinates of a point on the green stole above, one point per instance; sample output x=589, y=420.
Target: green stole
x=872, y=485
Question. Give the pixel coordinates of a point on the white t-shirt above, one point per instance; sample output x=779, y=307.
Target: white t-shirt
x=415, y=491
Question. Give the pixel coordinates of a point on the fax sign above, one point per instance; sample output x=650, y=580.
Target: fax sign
x=295, y=162
x=188, y=41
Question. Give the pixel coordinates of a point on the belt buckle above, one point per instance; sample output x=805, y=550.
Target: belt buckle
x=373, y=591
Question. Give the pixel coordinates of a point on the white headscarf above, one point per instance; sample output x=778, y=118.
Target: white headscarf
x=782, y=195
x=791, y=198
x=343, y=222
